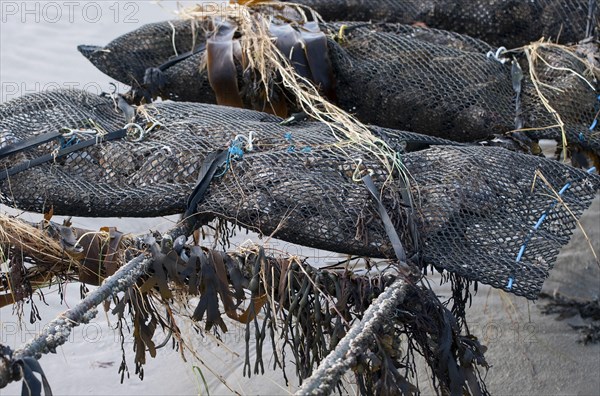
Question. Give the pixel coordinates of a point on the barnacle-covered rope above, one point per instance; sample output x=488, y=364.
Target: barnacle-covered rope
x=309, y=309
x=358, y=339
x=58, y=330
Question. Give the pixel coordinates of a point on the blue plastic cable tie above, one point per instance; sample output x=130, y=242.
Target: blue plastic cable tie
x=521, y=252
x=593, y=124
x=234, y=151
x=540, y=221
x=287, y=136
x=581, y=137
x=538, y=224
x=226, y=166
x=565, y=187
x=306, y=149
x=291, y=149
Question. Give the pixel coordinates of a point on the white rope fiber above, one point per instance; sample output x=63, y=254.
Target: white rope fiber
x=357, y=340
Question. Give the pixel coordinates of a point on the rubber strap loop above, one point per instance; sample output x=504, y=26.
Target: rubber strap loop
x=387, y=222
x=121, y=133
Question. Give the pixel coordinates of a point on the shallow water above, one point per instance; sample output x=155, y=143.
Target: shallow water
x=38, y=41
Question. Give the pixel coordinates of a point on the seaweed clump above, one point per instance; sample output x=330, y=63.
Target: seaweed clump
x=567, y=307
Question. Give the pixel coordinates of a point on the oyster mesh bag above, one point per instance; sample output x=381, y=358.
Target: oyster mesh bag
x=511, y=23
x=397, y=76
x=471, y=210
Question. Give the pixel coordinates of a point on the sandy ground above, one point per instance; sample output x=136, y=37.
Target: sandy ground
x=532, y=353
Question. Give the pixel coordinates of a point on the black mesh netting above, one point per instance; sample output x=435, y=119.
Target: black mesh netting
x=396, y=76
x=509, y=23
x=473, y=209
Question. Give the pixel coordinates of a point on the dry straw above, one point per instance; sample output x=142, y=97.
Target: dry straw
x=22, y=242
x=534, y=54
x=261, y=55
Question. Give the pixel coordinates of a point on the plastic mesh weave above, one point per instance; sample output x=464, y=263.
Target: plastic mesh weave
x=406, y=80
x=153, y=44
x=423, y=80
x=509, y=23
x=474, y=207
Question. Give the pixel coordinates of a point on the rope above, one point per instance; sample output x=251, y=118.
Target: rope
x=358, y=339
x=58, y=330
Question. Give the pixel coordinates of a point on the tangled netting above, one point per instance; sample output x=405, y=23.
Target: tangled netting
x=505, y=23
x=423, y=80
x=472, y=212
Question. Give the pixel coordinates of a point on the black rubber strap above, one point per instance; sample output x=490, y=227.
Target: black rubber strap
x=209, y=167
x=184, y=56
x=155, y=80
x=387, y=222
x=121, y=133
x=28, y=143
x=516, y=74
